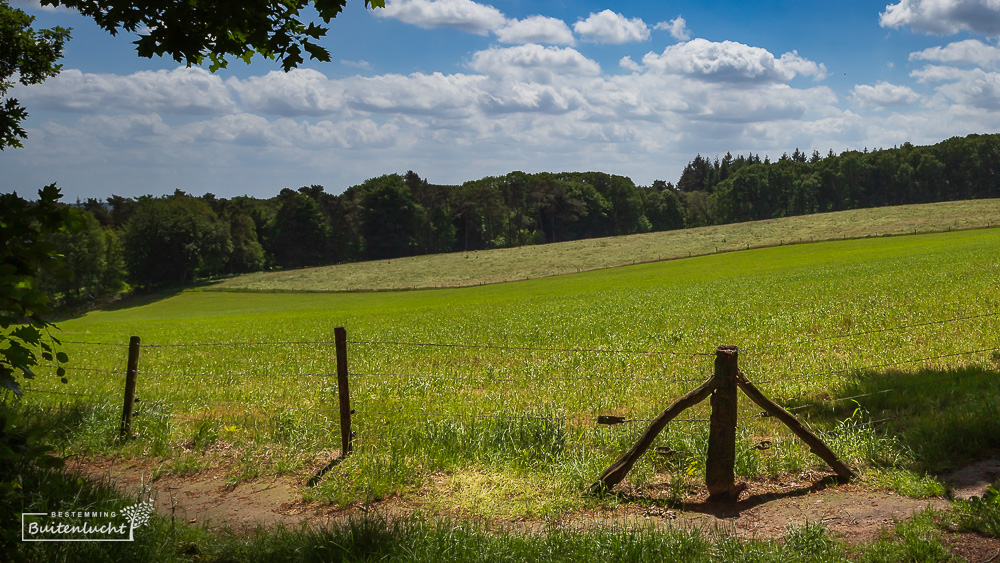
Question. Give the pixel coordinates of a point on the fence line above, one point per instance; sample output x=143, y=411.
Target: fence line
x=894, y=389
x=873, y=366
x=120, y=344
x=470, y=379
x=865, y=332
x=242, y=412
x=525, y=348
x=416, y=415
x=45, y=392
x=181, y=374
x=398, y=343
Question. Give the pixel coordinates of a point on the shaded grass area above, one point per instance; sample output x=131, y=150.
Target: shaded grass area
x=463, y=269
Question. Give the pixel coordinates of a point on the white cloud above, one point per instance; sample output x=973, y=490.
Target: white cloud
x=972, y=88
x=179, y=91
x=535, y=29
x=460, y=14
x=611, y=27
x=944, y=16
x=361, y=64
x=297, y=92
x=419, y=94
x=627, y=63
x=970, y=51
x=677, y=27
x=729, y=61
x=534, y=63
x=884, y=94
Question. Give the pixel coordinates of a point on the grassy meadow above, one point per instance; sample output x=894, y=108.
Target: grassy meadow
x=463, y=269
x=500, y=421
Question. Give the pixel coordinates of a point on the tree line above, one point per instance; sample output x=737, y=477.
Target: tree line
x=147, y=242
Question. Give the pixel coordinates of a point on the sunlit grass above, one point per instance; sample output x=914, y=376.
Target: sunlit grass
x=471, y=268
x=253, y=375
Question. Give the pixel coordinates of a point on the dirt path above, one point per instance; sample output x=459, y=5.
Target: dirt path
x=764, y=511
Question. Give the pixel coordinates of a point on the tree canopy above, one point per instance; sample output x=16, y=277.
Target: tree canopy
x=26, y=249
x=28, y=55
x=191, y=31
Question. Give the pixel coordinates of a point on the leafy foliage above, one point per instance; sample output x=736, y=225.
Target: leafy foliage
x=299, y=231
x=31, y=56
x=94, y=268
x=194, y=30
x=27, y=249
x=173, y=240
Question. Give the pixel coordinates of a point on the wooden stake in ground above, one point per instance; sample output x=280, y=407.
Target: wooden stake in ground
x=131, y=374
x=720, y=467
x=815, y=444
x=619, y=469
x=343, y=392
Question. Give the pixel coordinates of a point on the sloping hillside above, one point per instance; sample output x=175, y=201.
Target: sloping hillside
x=459, y=269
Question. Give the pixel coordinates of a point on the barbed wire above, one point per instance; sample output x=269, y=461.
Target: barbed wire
x=865, y=332
x=873, y=366
x=526, y=348
x=469, y=379
x=894, y=389
x=46, y=392
x=238, y=343
x=74, y=368
x=505, y=416
x=120, y=344
x=186, y=374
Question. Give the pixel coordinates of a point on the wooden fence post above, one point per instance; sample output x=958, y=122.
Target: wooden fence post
x=346, y=436
x=719, y=469
x=620, y=468
x=815, y=444
x=131, y=373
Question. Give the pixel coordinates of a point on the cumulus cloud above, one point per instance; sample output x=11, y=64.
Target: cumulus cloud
x=611, y=27
x=534, y=63
x=974, y=88
x=971, y=51
x=297, y=92
x=884, y=94
x=944, y=16
x=729, y=61
x=677, y=27
x=627, y=63
x=535, y=29
x=460, y=14
x=435, y=94
x=179, y=91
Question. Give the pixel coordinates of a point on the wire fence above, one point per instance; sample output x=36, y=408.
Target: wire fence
x=495, y=386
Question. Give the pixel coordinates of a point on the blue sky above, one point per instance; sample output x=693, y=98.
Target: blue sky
x=456, y=90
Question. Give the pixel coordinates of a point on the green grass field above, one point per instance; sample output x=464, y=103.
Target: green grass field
x=463, y=269
x=502, y=425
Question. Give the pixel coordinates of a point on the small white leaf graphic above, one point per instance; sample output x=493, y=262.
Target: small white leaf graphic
x=138, y=514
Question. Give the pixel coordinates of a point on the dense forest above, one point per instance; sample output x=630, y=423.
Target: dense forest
x=148, y=241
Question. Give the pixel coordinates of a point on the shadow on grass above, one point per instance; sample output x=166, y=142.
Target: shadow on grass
x=946, y=417
x=137, y=299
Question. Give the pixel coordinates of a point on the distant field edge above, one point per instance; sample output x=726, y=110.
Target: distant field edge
x=452, y=271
